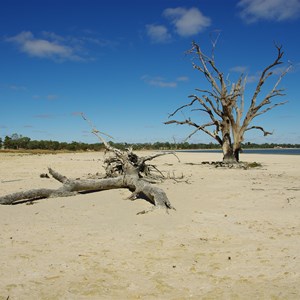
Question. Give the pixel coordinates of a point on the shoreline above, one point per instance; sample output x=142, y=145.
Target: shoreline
x=272, y=151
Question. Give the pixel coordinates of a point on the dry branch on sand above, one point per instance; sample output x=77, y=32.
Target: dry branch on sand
x=124, y=169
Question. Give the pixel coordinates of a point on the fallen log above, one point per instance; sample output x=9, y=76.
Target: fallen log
x=124, y=169
x=71, y=187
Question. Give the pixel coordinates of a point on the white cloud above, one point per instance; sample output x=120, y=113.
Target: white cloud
x=43, y=48
x=61, y=48
x=15, y=87
x=182, y=78
x=253, y=78
x=162, y=82
x=276, y=10
x=239, y=69
x=159, y=82
x=187, y=22
x=245, y=70
x=49, y=97
x=158, y=33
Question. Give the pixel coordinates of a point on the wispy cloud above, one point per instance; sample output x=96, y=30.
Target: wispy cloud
x=184, y=21
x=53, y=36
x=17, y=87
x=43, y=48
x=273, y=10
x=245, y=70
x=78, y=43
x=182, y=78
x=281, y=70
x=49, y=97
x=159, y=82
x=162, y=82
x=239, y=69
x=50, y=45
x=253, y=78
x=14, y=87
x=158, y=33
x=187, y=22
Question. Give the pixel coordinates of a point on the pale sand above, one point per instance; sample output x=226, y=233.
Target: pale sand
x=235, y=234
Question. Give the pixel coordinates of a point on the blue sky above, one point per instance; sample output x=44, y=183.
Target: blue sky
x=123, y=64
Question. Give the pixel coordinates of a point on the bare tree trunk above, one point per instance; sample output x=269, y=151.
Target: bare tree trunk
x=227, y=148
x=236, y=154
x=231, y=154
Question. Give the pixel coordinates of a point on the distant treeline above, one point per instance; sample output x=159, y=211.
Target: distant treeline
x=16, y=141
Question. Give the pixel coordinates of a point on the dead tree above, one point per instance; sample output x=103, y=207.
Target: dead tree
x=224, y=103
x=124, y=169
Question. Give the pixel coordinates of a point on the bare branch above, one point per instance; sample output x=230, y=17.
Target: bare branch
x=181, y=107
x=93, y=127
x=242, y=103
x=57, y=176
x=260, y=128
x=213, y=135
x=98, y=133
x=237, y=92
x=214, y=43
x=203, y=59
x=207, y=108
x=198, y=127
x=265, y=75
x=216, y=110
x=274, y=92
x=188, y=122
x=150, y=157
x=269, y=108
x=254, y=109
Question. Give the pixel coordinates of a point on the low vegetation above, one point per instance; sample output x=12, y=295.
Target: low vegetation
x=17, y=142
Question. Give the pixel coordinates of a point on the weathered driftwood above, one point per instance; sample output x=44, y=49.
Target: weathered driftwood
x=71, y=187
x=124, y=169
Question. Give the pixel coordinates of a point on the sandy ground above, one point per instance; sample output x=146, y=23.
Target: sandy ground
x=235, y=233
